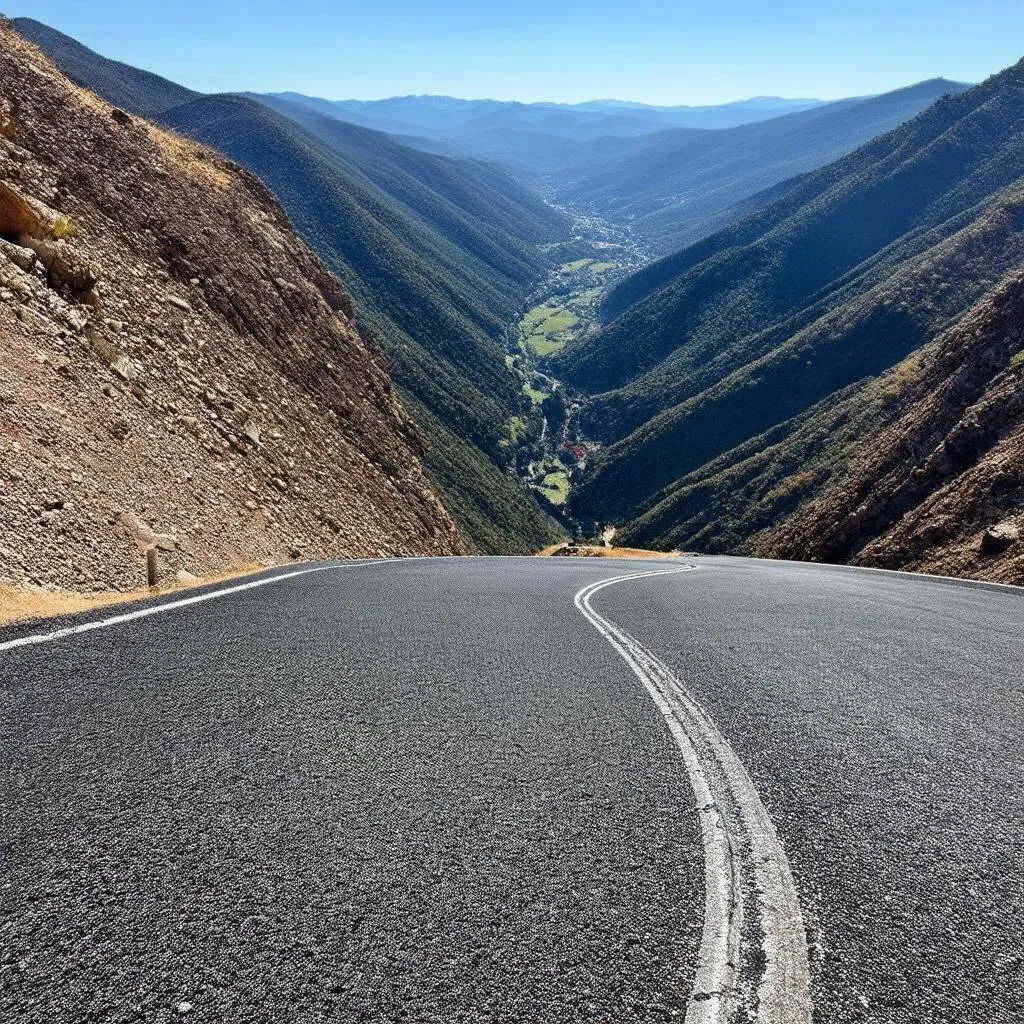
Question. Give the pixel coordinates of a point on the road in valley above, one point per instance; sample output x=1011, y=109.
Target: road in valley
x=509, y=790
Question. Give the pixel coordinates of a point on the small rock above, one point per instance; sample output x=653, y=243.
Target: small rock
x=124, y=368
x=173, y=300
x=184, y=1007
x=252, y=430
x=18, y=255
x=998, y=538
x=120, y=429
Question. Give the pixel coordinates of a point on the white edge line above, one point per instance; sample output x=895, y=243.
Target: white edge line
x=142, y=613
x=849, y=567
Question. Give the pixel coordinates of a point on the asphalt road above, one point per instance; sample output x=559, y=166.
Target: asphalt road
x=437, y=791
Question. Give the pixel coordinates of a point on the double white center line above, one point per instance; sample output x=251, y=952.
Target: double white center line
x=752, y=962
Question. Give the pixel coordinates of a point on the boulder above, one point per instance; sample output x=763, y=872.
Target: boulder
x=998, y=538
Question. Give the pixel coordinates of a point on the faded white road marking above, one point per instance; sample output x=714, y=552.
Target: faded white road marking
x=142, y=613
x=745, y=866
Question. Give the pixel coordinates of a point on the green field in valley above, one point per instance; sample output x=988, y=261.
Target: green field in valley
x=536, y=396
x=574, y=266
x=544, y=327
x=555, y=487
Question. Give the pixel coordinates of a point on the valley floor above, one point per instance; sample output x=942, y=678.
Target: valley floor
x=551, y=448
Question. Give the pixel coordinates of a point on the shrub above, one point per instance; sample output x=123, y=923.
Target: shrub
x=63, y=230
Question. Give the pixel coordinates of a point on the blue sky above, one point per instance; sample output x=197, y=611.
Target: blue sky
x=657, y=52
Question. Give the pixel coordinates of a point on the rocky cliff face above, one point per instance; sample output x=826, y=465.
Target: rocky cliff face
x=942, y=488
x=176, y=367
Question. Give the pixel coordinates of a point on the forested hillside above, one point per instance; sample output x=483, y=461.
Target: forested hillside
x=438, y=254
x=726, y=389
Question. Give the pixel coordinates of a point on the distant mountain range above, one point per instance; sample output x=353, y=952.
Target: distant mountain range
x=681, y=186
x=671, y=174
x=431, y=115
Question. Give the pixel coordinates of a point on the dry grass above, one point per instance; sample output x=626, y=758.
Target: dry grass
x=18, y=604
x=181, y=152
x=63, y=230
x=597, y=551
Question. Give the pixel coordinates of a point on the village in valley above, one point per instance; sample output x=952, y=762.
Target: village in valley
x=550, y=448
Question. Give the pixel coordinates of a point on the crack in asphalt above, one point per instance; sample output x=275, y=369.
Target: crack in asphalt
x=746, y=868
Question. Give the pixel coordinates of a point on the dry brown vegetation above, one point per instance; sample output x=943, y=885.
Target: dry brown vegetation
x=22, y=604
x=600, y=551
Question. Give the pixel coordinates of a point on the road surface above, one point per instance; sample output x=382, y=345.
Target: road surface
x=475, y=790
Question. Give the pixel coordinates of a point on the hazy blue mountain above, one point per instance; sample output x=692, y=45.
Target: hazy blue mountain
x=537, y=137
x=438, y=114
x=683, y=185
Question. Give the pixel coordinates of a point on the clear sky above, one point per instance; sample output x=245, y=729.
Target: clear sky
x=566, y=50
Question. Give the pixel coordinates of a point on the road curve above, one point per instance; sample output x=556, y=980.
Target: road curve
x=464, y=790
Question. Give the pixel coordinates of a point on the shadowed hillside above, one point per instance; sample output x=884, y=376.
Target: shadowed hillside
x=764, y=329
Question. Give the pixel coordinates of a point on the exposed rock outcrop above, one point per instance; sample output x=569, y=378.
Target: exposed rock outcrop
x=942, y=489
x=176, y=367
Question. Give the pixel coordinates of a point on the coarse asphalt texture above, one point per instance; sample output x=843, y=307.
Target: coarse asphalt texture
x=429, y=790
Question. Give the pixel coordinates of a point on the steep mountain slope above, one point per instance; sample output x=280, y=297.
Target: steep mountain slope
x=941, y=489
x=437, y=310
x=438, y=254
x=911, y=469
x=683, y=186
x=440, y=190
x=855, y=268
x=178, y=368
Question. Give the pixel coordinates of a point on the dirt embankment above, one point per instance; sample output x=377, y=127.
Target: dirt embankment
x=176, y=367
x=565, y=550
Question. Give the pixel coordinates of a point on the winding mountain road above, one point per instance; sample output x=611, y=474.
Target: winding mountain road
x=519, y=790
